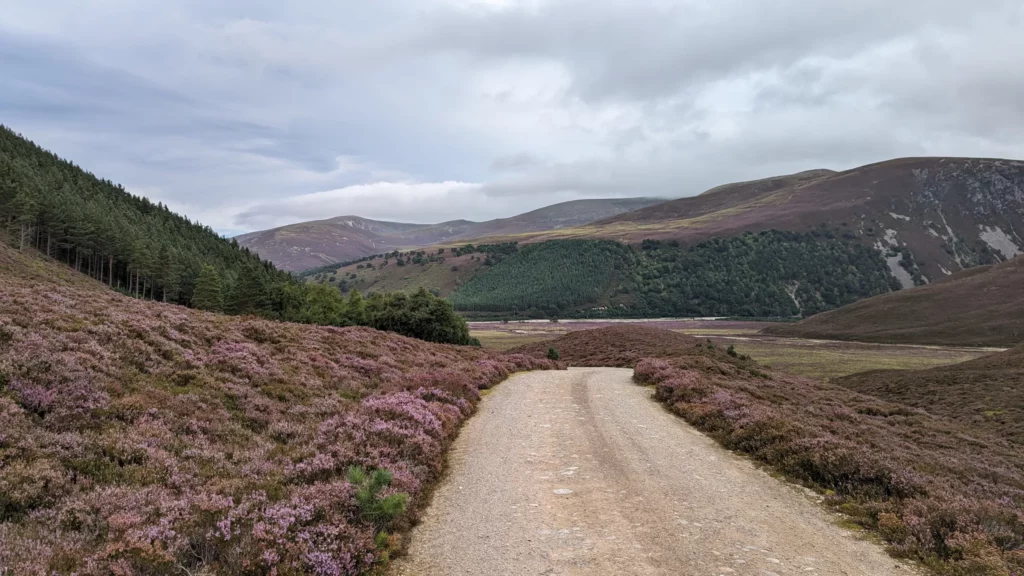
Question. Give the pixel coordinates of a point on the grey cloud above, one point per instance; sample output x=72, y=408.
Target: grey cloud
x=250, y=114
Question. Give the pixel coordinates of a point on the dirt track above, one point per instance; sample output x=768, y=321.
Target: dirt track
x=649, y=495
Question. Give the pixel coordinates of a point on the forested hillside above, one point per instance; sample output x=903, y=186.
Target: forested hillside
x=551, y=277
x=769, y=274
x=100, y=229
x=145, y=250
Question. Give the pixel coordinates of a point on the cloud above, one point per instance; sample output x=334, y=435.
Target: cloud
x=252, y=114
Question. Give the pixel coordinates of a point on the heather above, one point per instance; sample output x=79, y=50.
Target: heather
x=936, y=491
x=141, y=438
x=619, y=345
x=986, y=394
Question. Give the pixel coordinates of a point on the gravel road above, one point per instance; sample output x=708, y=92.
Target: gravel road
x=581, y=472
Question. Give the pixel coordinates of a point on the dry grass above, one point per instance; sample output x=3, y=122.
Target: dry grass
x=829, y=359
x=815, y=358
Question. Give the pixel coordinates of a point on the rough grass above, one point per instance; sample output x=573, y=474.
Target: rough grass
x=986, y=394
x=935, y=490
x=830, y=359
x=140, y=438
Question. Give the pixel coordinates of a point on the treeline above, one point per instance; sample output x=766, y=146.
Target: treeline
x=547, y=278
x=145, y=250
x=768, y=274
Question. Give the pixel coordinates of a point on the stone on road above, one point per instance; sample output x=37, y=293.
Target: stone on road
x=581, y=472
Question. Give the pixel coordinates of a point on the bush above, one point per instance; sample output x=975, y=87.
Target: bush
x=552, y=354
x=377, y=509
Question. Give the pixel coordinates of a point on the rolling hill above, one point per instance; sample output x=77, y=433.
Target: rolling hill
x=308, y=245
x=983, y=306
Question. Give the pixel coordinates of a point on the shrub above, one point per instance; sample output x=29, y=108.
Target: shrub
x=377, y=509
x=552, y=354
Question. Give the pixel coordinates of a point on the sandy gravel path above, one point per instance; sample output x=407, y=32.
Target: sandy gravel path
x=581, y=472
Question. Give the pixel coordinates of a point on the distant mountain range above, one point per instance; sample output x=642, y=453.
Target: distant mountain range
x=311, y=244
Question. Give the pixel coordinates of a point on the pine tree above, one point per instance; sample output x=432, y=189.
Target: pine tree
x=249, y=295
x=208, y=294
x=26, y=208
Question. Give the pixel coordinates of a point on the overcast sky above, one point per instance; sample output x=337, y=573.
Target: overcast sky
x=248, y=114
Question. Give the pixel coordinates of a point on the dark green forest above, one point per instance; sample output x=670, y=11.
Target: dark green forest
x=768, y=274
x=144, y=250
x=551, y=277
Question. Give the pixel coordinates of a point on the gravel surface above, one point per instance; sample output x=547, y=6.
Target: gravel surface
x=581, y=472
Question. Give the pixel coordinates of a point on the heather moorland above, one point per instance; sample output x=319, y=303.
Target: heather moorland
x=142, y=438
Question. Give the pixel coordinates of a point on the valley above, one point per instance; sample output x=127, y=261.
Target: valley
x=779, y=247
x=824, y=359
x=175, y=403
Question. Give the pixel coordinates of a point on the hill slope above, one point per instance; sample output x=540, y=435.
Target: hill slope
x=987, y=394
x=100, y=229
x=146, y=438
x=311, y=244
x=979, y=307
x=949, y=213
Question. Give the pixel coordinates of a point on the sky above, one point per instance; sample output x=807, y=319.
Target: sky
x=251, y=114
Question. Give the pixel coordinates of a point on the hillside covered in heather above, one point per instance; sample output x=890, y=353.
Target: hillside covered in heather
x=983, y=306
x=147, y=438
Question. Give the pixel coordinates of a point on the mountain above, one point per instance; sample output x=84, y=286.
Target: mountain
x=346, y=238
x=987, y=393
x=931, y=216
x=165, y=440
x=983, y=306
x=921, y=219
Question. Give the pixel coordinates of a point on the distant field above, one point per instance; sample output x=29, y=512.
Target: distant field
x=816, y=358
x=828, y=359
